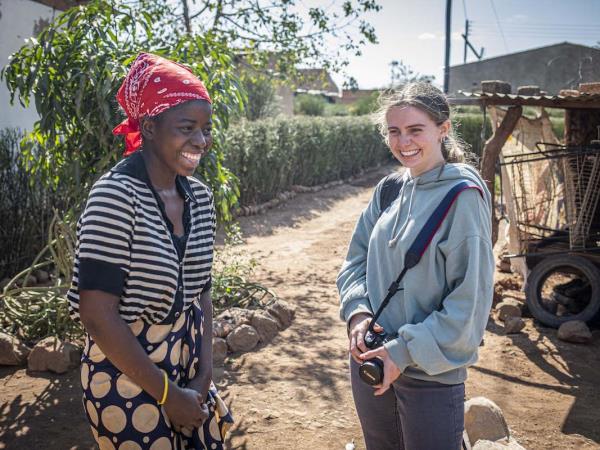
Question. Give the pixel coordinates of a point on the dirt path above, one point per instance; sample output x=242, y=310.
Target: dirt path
x=294, y=393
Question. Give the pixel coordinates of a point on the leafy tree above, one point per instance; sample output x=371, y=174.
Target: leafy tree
x=73, y=70
x=263, y=28
x=401, y=74
x=74, y=67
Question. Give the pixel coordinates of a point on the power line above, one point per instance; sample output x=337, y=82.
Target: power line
x=542, y=30
x=525, y=33
x=499, y=26
x=542, y=25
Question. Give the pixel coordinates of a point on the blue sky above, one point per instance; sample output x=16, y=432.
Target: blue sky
x=413, y=31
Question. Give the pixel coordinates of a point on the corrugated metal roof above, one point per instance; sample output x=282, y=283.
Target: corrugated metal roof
x=559, y=101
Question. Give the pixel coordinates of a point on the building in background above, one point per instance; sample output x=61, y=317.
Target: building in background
x=20, y=20
x=552, y=68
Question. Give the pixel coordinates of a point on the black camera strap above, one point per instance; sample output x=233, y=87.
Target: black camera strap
x=422, y=241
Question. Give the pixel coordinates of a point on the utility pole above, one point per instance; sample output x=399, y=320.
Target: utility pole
x=468, y=45
x=448, y=32
x=466, y=38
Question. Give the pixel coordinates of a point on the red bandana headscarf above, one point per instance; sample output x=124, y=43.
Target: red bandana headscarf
x=153, y=85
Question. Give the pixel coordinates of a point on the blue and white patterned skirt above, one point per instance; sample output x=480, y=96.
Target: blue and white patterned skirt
x=124, y=417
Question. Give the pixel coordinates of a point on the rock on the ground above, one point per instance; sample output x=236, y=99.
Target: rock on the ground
x=236, y=316
x=502, y=444
x=219, y=351
x=513, y=325
x=30, y=281
x=283, y=312
x=41, y=276
x=575, y=331
x=242, y=339
x=504, y=266
x=12, y=351
x=484, y=420
x=52, y=354
x=508, y=308
x=511, y=283
x=266, y=326
x=498, y=291
x=221, y=328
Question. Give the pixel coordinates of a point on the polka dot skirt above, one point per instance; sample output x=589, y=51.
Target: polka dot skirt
x=124, y=417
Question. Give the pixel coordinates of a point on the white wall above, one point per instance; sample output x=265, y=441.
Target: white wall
x=17, y=23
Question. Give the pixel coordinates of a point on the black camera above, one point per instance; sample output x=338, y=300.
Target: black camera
x=371, y=371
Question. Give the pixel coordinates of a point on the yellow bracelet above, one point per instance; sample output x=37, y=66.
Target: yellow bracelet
x=165, y=390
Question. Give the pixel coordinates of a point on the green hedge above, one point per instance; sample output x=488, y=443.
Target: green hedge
x=269, y=156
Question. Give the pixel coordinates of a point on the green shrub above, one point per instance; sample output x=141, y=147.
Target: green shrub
x=262, y=99
x=309, y=105
x=365, y=105
x=269, y=156
x=336, y=109
x=468, y=128
x=558, y=126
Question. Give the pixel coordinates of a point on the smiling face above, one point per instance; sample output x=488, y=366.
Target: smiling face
x=180, y=136
x=415, y=139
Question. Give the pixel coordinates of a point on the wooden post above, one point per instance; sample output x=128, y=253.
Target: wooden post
x=491, y=151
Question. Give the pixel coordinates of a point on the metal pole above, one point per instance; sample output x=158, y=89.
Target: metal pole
x=466, y=36
x=447, y=59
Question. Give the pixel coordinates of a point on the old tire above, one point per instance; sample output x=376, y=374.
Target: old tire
x=562, y=264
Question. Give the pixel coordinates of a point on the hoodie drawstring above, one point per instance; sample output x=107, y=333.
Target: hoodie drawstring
x=396, y=236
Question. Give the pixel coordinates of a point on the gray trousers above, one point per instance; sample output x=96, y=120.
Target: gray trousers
x=411, y=415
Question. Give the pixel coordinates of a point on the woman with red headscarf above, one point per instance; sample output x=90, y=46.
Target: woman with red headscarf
x=141, y=283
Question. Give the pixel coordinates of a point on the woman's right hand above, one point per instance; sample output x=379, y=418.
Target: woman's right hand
x=358, y=328
x=185, y=408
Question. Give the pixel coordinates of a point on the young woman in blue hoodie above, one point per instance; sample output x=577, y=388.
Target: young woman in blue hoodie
x=440, y=312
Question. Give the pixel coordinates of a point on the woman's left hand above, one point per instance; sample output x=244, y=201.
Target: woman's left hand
x=390, y=370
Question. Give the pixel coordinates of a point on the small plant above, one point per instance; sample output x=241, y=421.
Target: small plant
x=231, y=273
x=35, y=312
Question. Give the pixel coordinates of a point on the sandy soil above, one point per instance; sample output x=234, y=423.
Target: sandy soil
x=294, y=393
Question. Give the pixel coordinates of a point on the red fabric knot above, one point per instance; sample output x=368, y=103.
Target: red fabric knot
x=153, y=85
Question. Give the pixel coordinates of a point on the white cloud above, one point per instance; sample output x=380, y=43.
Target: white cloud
x=426, y=36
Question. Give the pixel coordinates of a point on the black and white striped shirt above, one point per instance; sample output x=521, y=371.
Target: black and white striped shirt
x=125, y=245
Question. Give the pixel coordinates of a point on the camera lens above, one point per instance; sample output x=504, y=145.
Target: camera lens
x=371, y=372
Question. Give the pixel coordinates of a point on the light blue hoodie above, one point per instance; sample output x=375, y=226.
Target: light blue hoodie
x=442, y=307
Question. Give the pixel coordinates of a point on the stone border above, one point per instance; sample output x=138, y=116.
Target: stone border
x=238, y=330
x=282, y=197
